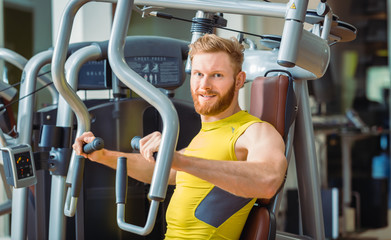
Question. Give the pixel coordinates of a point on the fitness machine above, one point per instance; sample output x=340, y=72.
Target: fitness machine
x=297, y=47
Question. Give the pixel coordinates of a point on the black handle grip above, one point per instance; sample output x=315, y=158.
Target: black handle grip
x=135, y=143
x=96, y=144
x=77, y=177
x=121, y=181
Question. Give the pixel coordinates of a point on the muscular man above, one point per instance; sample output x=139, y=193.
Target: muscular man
x=234, y=159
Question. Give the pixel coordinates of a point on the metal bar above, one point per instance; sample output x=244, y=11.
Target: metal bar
x=255, y=8
x=153, y=208
x=69, y=101
x=73, y=66
x=153, y=96
x=148, y=92
x=57, y=224
x=307, y=168
x=24, y=126
x=19, y=61
x=36, y=63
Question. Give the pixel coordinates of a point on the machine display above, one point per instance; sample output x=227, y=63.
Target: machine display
x=19, y=165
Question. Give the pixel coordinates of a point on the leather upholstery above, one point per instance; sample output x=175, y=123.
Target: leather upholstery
x=268, y=102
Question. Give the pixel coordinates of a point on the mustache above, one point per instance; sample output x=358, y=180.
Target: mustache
x=206, y=92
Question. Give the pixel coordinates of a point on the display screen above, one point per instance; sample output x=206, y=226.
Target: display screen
x=23, y=165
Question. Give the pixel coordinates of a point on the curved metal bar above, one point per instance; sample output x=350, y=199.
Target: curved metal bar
x=19, y=61
x=13, y=57
x=24, y=126
x=153, y=208
x=58, y=62
x=65, y=119
x=62, y=45
x=152, y=95
x=73, y=65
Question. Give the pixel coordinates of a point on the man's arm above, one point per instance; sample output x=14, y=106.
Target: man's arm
x=259, y=172
x=138, y=167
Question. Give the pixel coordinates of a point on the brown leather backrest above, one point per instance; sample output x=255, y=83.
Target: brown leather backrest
x=268, y=99
x=268, y=102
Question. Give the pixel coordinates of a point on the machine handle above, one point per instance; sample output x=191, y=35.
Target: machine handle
x=77, y=178
x=96, y=144
x=121, y=187
x=121, y=183
x=135, y=144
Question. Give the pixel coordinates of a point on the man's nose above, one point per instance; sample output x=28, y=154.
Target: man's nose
x=205, y=83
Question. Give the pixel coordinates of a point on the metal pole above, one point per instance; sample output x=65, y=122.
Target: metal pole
x=244, y=7
x=307, y=168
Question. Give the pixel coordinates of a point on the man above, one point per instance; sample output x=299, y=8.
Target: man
x=234, y=159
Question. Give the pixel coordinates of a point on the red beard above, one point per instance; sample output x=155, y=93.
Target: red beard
x=212, y=109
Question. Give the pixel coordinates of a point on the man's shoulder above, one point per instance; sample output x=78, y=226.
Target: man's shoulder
x=261, y=129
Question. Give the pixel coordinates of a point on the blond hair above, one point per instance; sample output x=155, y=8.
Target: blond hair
x=210, y=43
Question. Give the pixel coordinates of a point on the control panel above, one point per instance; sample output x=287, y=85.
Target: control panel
x=19, y=165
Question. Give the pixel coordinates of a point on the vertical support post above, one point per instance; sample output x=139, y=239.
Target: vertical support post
x=307, y=168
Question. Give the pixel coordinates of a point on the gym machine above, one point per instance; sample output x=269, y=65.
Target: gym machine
x=297, y=47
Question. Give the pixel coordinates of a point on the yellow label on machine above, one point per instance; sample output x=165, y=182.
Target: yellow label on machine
x=293, y=6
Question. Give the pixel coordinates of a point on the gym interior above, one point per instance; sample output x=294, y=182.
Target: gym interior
x=338, y=186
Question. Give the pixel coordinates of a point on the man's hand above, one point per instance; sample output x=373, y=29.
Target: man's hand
x=85, y=138
x=149, y=145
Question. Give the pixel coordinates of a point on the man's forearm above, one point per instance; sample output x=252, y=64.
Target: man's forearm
x=138, y=167
x=242, y=178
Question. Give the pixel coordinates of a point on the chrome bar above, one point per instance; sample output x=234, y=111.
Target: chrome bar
x=73, y=66
x=19, y=61
x=255, y=8
x=153, y=96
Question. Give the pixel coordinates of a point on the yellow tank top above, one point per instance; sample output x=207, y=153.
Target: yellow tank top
x=199, y=209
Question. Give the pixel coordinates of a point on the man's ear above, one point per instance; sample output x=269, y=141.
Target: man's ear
x=240, y=79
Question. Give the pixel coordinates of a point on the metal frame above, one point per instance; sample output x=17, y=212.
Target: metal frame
x=24, y=125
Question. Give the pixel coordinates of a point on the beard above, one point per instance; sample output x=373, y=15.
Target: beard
x=212, y=109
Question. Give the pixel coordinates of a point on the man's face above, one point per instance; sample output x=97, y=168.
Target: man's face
x=212, y=83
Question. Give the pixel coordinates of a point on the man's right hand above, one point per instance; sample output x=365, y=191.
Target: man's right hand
x=149, y=145
x=85, y=138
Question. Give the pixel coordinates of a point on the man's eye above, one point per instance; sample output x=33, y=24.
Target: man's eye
x=218, y=75
x=198, y=74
